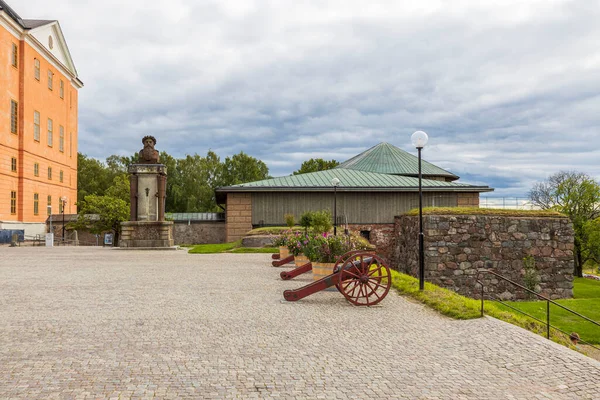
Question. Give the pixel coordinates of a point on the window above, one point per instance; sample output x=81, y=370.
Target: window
x=50, y=173
x=13, y=116
x=49, y=132
x=49, y=205
x=61, y=176
x=61, y=90
x=15, y=55
x=36, y=203
x=13, y=164
x=50, y=78
x=36, y=126
x=70, y=144
x=36, y=169
x=61, y=139
x=36, y=68
x=13, y=202
x=60, y=206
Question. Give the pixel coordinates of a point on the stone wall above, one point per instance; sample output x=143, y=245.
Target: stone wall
x=380, y=235
x=458, y=246
x=199, y=232
x=238, y=215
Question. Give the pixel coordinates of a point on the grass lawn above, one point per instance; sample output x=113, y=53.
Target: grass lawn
x=233, y=247
x=450, y=303
x=586, y=301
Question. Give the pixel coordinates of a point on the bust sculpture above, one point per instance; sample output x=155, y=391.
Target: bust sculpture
x=148, y=155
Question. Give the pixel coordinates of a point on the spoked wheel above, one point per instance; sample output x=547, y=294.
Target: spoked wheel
x=365, y=280
x=348, y=256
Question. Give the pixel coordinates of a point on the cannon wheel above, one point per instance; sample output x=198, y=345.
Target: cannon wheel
x=365, y=283
x=348, y=256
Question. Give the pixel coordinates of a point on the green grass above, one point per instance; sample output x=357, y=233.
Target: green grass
x=271, y=250
x=586, y=302
x=214, y=248
x=270, y=230
x=485, y=211
x=233, y=247
x=451, y=304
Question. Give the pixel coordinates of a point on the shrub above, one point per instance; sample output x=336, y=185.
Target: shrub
x=290, y=221
x=531, y=278
x=321, y=221
x=306, y=220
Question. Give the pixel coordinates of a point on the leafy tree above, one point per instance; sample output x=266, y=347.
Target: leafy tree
x=118, y=165
x=102, y=213
x=242, y=168
x=316, y=165
x=591, y=249
x=120, y=188
x=92, y=177
x=575, y=194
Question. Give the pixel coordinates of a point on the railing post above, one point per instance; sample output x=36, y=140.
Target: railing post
x=481, y=299
x=547, y=319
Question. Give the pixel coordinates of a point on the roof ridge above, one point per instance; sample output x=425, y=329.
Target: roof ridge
x=389, y=159
x=13, y=14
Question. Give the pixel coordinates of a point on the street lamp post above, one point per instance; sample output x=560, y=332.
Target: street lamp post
x=335, y=182
x=64, y=202
x=419, y=140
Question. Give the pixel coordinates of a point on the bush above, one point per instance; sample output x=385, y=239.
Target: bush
x=321, y=221
x=290, y=221
x=306, y=220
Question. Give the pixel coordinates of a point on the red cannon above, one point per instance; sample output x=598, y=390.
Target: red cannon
x=362, y=277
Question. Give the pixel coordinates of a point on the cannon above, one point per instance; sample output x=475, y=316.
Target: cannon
x=282, y=261
x=287, y=275
x=362, y=277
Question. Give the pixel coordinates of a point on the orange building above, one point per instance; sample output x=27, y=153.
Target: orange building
x=38, y=122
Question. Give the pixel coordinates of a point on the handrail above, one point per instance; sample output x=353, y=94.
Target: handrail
x=540, y=296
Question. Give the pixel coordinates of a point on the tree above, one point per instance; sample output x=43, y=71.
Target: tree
x=575, y=194
x=242, y=168
x=591, y=249
x=316, y=165
x=120, y=188
x=102, y=213
x=92, y=177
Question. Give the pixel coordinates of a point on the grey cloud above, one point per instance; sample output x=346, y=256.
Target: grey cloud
x=508, y=93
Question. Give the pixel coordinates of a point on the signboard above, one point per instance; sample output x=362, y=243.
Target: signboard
x=108, y=239
x=49, y=239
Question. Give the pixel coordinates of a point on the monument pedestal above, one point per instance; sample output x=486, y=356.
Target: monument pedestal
x=147, y=228
x=147, y=234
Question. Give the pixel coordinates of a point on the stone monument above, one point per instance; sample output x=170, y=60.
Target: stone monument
x=147, y=227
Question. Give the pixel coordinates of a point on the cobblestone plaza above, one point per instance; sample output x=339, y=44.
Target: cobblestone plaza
x=93, y=323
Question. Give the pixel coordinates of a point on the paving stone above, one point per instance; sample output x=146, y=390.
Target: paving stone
x=81, y=323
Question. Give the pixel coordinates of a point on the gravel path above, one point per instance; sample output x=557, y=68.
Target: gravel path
x=79, y=323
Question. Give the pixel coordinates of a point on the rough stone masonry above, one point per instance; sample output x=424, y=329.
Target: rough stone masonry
x=457, y=247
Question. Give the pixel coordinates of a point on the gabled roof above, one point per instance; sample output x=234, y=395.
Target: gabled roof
x=36, y=27
x=388, y=159
x=351, y=180
x=13, y=14
x=36, y=23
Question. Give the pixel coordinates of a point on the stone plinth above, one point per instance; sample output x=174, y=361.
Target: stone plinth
x=147, y=234
x=148, y=183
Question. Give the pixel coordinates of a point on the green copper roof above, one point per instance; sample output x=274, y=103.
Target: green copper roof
x=388, y=159
x=352, y=179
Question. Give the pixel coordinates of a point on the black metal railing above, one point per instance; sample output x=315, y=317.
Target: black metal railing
x=542, y=297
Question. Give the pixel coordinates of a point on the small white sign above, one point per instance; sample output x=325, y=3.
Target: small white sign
x=108, y=239
x=49, y=239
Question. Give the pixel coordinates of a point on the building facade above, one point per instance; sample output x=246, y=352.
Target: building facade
x=38, y=122
x=372, y=189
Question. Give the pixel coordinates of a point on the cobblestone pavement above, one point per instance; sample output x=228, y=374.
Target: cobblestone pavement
x=79, y=323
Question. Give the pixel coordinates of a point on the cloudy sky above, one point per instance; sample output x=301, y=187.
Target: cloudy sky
x=509, y=93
